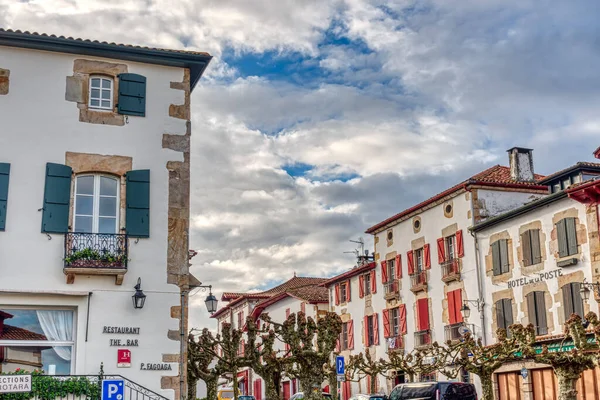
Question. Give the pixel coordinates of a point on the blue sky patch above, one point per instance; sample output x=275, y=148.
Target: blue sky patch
x=297, y=169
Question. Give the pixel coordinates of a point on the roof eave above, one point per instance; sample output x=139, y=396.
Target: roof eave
x=196, y=63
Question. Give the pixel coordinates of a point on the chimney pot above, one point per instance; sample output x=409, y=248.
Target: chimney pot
x=521, y=164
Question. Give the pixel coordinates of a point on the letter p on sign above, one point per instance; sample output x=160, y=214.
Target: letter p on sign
x=112, y=389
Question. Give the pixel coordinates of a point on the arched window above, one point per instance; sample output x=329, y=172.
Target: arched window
x=96, y=204
x=101, y=92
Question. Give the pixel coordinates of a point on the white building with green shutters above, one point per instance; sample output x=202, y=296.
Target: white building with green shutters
x=94, y=201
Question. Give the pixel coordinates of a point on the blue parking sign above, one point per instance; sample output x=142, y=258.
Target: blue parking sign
x=113, y=389
x=339, y=365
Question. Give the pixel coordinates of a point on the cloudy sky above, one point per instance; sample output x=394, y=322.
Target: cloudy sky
x=319, y=118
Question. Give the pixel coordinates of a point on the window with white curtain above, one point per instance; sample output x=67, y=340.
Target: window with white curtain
x=37, y=339
x=96, y=204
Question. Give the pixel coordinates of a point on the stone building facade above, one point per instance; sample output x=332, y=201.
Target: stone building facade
x=94, y=199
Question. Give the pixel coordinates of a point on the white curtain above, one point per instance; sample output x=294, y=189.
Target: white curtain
x=58, y=326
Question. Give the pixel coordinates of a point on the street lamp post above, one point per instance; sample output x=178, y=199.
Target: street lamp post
x=466, y=310
x=210, y=301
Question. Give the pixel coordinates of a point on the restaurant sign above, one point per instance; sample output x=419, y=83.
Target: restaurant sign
x=541, y=277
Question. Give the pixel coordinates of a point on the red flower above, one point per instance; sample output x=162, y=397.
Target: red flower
x=17, y=370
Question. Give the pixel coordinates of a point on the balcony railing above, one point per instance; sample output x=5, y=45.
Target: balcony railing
x=95, y=250
x=392, y=288
x=423, y=339
x=457, y=331
x=418, y=281
x=451, y=270
x=395, y=343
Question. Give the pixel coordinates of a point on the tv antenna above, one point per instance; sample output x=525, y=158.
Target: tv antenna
x=362, y=255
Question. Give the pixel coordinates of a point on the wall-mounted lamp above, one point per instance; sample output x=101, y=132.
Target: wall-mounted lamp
x=586, y=287
x=139, y=298
x=211, y=301
x=466, y=310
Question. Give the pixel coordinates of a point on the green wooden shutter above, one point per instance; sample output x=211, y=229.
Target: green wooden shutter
x=561, y=229
x=57, y=198
x=508, y=316
x=500, y=320
x=536, y=251
x=496, y=262
x=137, y=217
x=4, y=175
x=571, y=236
x=132, y=95
x=504, y=267
x=531, y=309
x=577, y=299
x=540, y=306
x=567, y=300
x=526, y=243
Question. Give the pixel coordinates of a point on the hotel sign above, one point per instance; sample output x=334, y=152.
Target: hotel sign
x=15, y=383
x=541, y=277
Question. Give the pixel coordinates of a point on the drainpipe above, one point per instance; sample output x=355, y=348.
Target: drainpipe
x=479, y=279
x=182, y=346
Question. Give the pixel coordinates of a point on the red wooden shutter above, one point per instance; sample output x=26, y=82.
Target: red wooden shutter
x=386, y=323
x=366, y=331
x=303, y=307
x=460, y=247
x=398, y=266
x=427, y=256
x=384, y=277
x=368, y=384
x=402, y=314
x=337, y=294
x=243, y=347
x=373, y=282
x=441, y=250
x=376, y=329
x=451, y=310
x=351, y=335
x=410, y=262
x=423, y=313
x=258, y=389
x=361, y=286
x=347, y=390
x=348, y=292
x=458, y=305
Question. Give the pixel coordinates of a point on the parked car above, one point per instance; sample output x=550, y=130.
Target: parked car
x=434, y=391
x=300, y=396
x=246, y=397
x=225, y=394
x=376, y=396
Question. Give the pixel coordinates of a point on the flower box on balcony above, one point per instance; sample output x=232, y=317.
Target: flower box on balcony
x=451, y=270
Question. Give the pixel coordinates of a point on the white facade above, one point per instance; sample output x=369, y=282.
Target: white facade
x=40, y=126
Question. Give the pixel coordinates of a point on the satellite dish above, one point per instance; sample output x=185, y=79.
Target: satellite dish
x=463, y=330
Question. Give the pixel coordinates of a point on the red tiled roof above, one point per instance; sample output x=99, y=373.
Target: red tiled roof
x=496, y=176
x=349, y=274
x=311, y=294
x=10, y=332
x=294, y=283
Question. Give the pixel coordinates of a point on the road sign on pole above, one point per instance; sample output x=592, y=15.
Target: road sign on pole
x=339, y=365
x=113, y=389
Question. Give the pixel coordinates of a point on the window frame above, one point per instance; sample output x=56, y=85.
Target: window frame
x=390, y=266
x=344, y=292
x=110, y=90
x=53, y=343
x=96, y=202
x=394, y=314
x=367, y=284
x=450, y=244
x=344, y=337
x=418, y=260
x=370, y=330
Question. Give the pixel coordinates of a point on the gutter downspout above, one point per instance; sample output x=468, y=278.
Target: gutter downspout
x=479, y=280
x=182, y=346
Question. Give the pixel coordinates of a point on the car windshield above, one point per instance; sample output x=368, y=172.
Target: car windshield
x=246, y=398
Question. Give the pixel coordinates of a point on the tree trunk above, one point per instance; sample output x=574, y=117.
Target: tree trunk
x=487, y=384
x=373, y=387
x=235, y=386
x=308, y=388
x=211, y=389
x=271, y=391
x=566, y=384
x=192, y=383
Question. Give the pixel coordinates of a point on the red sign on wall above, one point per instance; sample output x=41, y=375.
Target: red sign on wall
x=123, y=358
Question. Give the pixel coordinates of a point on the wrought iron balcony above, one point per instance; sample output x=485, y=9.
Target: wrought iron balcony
x=418, y=281
x=423, y=339
x=451, y=270
x=454, y=332
x=395, y=343
x=392, y=288
x=95, y=254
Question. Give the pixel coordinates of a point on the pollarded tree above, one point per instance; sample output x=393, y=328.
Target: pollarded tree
x=331, y=373
x=365, y=365
x=569, y=365
x=264, y=359
x=201, y=364
x=474, y=357
x=311, y=344
x=418, y=361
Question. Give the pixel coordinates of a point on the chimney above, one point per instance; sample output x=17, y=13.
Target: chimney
x=521, y=164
